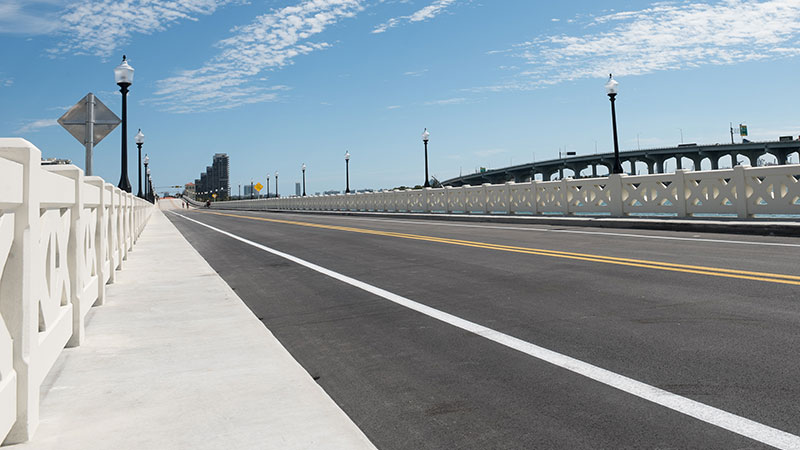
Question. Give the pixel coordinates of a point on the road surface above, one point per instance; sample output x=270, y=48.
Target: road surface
x=436, y=334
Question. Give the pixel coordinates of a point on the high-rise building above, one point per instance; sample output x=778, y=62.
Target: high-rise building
x=215, y=179
x=221, y=170
x=297, y=189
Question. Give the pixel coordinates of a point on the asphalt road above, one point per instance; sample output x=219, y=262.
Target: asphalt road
x=710, y=318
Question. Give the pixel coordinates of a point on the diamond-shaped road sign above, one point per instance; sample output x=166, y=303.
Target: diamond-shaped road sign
x=89, y=121
x=258, y=187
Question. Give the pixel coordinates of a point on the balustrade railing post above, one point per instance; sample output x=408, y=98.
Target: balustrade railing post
x=21, y=286
x=426, y=202
x=101, y=238
x=507, y=195
x=616, y=196
x=76, y=261
x=679, y=180
x=564, y=193
x=485, y=197
x=740, y=183
x=534, y=197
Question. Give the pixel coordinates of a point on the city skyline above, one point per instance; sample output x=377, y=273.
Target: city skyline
x=278, y=84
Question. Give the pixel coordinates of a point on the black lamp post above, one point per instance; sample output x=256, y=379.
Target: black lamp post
x=148, y=186
x=276, y=184
x=123, y=74
x=425, y=137
x=347, y=171
x=267, y=185
x=611, y=89
x=139, y=138
x=251, y=188
x=304, y=179
x=147, y=174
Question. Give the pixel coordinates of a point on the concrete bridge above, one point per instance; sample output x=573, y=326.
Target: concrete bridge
x=406, y=311
x=655, y=160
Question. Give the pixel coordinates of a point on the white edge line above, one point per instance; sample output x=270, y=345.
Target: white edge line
x=723, y=419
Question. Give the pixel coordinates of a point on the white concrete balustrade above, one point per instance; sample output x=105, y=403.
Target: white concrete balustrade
x=742, y=191
x=62, y=236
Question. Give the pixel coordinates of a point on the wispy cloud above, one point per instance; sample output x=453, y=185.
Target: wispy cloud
x=428, y=12
x=235, y=76
x=415, y=73
x=99, y=27
x=666, y=36
x=393, y=107
x=29, y=17
x=6, y=82
x=36, y=125
x=448, y=101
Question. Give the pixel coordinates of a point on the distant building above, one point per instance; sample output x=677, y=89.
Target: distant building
x=189, y=190
x=249, y=191
x=297, y=190
x=215, y=179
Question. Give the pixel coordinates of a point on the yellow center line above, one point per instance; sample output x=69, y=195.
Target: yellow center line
x=673, y=267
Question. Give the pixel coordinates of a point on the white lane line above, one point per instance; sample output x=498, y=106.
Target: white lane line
x=731, y=422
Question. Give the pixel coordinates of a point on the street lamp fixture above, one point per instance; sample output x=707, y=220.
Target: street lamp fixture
x=304, y=179
x=425, y=137
x=347, y=171
x=611, y=90
x=276, y=184
x=139, y=139
x=123, y=74
x=267, y=184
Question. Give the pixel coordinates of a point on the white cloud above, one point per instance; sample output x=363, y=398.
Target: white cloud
x=448, y=101
x=235, y=76
x=29, y=17
x=393, y=107
x=100, y=27
x=415, y=73
x=665, y=36
x=36, y=125
x=428, y=12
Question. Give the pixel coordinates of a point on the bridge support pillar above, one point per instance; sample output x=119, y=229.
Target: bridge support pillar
x=659, y=164
x=781, y=155
x=697, y=160
x=714, y=161
x=632, y=163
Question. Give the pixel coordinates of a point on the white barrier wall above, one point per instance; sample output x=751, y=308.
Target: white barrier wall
x=742, y=191
x=62, y=235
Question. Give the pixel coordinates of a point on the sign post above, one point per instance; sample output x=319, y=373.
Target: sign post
x=89, y=121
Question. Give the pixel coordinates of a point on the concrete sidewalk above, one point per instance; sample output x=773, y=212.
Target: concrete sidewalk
x=175, y=360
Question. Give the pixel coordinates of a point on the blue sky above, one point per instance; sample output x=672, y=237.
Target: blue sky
x=279, y=83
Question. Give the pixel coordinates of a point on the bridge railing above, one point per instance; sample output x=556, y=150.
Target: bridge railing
x=742, y=191
x=62, y=236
